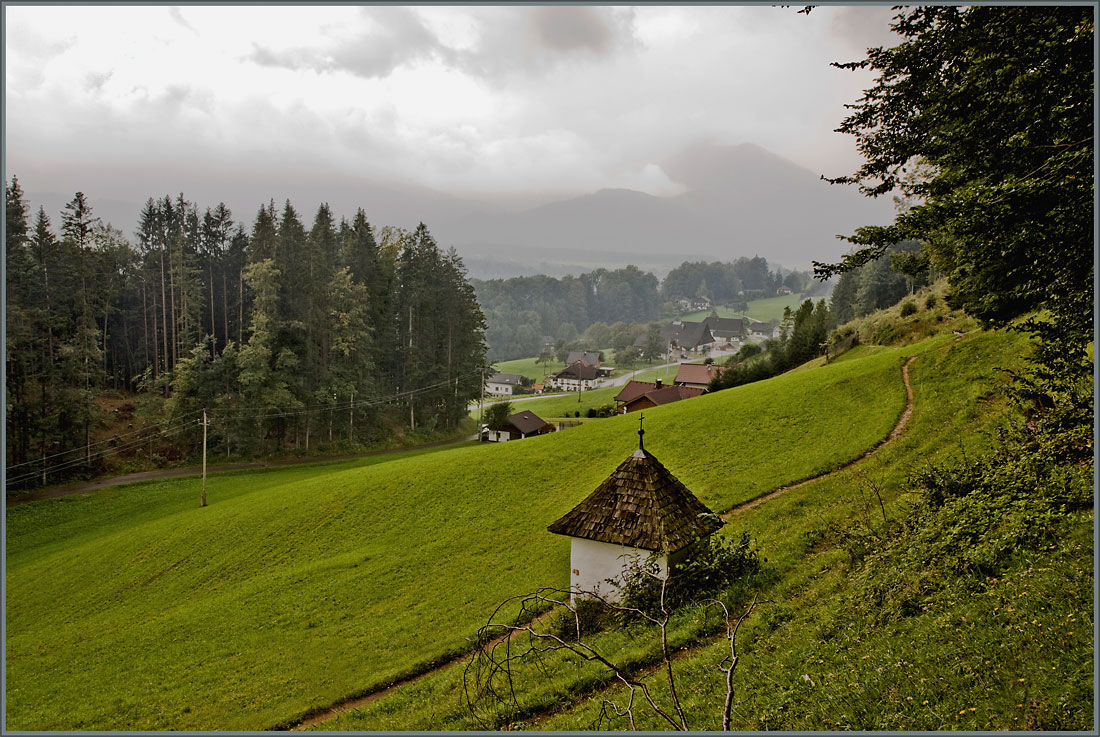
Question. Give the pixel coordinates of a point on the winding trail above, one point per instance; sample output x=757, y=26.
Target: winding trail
x=363, y=700
x=903, y=420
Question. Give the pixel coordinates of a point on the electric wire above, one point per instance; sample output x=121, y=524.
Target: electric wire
x=175, y=428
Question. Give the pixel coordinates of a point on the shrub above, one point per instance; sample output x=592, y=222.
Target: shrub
x=591, y=616
x=885, y=333
x=930, y=301
x=716, y=563
x=908, y=307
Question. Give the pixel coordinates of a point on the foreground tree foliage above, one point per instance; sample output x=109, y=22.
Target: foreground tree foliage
x=287, y=336
x=995, y=104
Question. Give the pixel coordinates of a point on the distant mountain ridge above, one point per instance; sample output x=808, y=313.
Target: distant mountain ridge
x=741, y=200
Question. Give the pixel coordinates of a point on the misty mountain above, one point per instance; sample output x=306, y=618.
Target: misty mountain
x=739, y=201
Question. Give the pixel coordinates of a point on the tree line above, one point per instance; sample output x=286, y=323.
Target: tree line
x=522, y=312
x=734, y=282
x=530, y=315
x=287, y=336
x=802, y=335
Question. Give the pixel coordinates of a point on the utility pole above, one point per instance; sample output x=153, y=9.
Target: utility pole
x=481, y=405
x=203, y=504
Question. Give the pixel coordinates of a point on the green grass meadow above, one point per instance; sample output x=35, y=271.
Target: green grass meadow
x=769, y=309
x=967, y=663
x=133, y=608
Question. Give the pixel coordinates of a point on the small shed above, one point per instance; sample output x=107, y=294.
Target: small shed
x=520, y=425
x=638, y=510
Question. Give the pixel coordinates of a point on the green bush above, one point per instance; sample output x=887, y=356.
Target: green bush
x=716, y=563
x=908, y=307
x=587, y=615
x=930, y=301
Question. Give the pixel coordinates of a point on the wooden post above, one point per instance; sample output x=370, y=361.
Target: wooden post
x=203, y=504
x=481, y=405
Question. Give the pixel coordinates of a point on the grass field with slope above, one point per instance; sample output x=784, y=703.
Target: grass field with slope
x=132, y=608
x=919, y=673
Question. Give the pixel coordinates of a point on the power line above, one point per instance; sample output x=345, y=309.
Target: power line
x=100, y=442
x=176, y=428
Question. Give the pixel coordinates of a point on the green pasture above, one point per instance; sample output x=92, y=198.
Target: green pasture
x=573, y=402
x=769, y=309
x=132, y=608
x=529, y=368
x=999, y=663
x=539, y=371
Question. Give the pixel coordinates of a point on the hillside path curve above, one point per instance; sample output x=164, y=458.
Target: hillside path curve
x=360, y=701
x=899, y=428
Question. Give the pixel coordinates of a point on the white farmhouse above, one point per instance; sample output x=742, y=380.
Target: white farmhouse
x=640, y=509
x=577, y=376
x=502, y=384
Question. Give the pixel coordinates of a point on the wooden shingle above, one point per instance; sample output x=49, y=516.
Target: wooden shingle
x=641, y=505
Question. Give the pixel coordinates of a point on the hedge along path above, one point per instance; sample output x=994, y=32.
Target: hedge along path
x=362, y=700
x=899, y=428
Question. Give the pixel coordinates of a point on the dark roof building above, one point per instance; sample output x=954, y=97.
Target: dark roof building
x=512, y=379
x=726, y=328
x=634, y=389
x=697, y=374
x=591, y=358
x=663, y=395
x=579, y=371
x=528, y=423
x=681, y=334
x=640, y=505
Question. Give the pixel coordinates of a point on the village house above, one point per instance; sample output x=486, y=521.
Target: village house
x=518, y=426
x=762, y=330
x=577, y=376
x=591, y=358
x=503, y=384
x=682, y=335
x=640, y=510
x=697, y=375
x=694, y=303
x=726, y=331
x=637, y=395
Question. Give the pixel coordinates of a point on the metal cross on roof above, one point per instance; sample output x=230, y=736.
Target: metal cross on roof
x=641, y=431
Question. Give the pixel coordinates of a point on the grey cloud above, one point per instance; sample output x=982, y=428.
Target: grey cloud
x=398, y=37
x=571, y=27
x=525, y=42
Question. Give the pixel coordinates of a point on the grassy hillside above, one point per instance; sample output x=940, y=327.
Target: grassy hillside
x=134, y=609
x=769, y=309
x=849, y=635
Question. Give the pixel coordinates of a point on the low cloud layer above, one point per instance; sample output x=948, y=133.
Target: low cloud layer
x=475, y=101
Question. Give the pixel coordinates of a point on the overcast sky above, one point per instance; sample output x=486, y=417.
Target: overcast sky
x=133, y=102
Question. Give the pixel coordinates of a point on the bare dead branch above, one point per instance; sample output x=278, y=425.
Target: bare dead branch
x=731, y=659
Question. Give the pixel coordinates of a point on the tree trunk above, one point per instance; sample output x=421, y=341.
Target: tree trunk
x=164, y=312
x=213, y=330
x=175, y=315
x=225, y=314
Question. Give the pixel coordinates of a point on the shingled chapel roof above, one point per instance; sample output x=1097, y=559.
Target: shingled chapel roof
x=640, y=505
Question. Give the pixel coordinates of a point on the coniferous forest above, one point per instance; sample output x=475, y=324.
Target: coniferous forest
x=290, y=333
